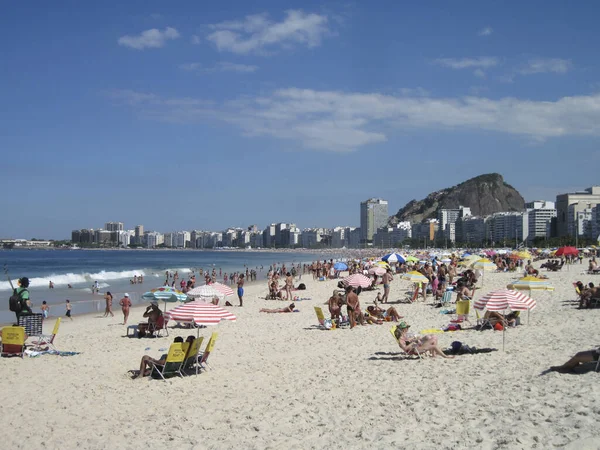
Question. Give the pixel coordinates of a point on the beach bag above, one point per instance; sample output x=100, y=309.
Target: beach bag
x=15, y=303
x=301, y=287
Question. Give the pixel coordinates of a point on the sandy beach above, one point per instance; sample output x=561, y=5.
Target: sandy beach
x=278, y=381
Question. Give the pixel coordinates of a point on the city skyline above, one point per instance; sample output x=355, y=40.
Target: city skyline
x=198, y=116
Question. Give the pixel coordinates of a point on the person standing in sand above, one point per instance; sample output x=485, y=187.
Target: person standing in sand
x=240, y=290
x=109, y=299
x=289, y=284
x=125, y=303
x=387, y=280
x=353, y=307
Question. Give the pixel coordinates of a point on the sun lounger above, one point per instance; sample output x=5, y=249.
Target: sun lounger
x=13, y=341
x=192, y=360
x=415, y=353
x=173, y=363
x=203, y=363
x=47, y=340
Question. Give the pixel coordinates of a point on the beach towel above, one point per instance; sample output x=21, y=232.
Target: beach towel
x=458, y=348
x=35, y=354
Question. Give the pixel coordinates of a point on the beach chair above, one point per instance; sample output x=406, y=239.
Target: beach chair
x=159, y=326
x=13, y=341
x=416, y=352
x=47, y=340
x=192, y=361
x=321, y=318
x=203, y=363
x=446, y=298
x=463, y=307
x=482, y=322
x=173, y=363
x=32, y=324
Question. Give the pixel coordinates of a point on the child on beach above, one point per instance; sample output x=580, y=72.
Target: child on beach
x=45, y=309
x=68, y=307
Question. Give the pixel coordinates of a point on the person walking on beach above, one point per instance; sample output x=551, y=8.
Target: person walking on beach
x=68, y=308
x=109, y=299
x=18, y=302
x=45, y=309
x=240, y=290
x=125, y=305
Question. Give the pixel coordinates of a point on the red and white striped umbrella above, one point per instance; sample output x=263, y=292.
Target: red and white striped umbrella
x=357, y=280
x=223, y=288
x=200, y=313
x=504, y=299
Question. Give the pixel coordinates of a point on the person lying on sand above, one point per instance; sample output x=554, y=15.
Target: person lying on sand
x=579, y=358
x=427, y=344
x=147, y=361
x=289, y=309
x=378, y=312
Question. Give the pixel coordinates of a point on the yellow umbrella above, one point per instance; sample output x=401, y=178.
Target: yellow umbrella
x=523, y=254
x=382, y=264
x=532, y=284
x=415, y=277
x=485, y=265
x=411, y=258
x=469, y=260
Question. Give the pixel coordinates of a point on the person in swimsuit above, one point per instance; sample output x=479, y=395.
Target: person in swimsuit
x=125, y=303
x=45, y=309
x=289, y=284
x=379, y=313
x=147, y=361
x=109, y=299
x=579, y=358
x=280, y=310
x=68, y=308
x=412, y=345
x=353, y=307
x=335, y=303
x=240, y=290
x=387, y=279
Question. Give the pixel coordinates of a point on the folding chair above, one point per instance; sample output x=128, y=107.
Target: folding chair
x=13, y=341
x=193, y=353
x=160, y=325
x=416, y=352
x=32, y=324
x=321, y=318
x=482, y=322
x=173, y=363
x=463, y=308
x=446, y=298
x=47, y=339
x=203, y=363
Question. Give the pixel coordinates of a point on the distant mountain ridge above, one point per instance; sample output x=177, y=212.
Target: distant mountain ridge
x=485, y=194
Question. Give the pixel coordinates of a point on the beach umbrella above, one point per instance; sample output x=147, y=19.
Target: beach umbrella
x=357, y=280
x=394, y=258
x=485, y=265
x=411, y=259
x=205, y=291
x=469, y=260
x=377, y=271
x=504, y=299
x=415, y=277
x=165, y=294
x=382, y=264
x=446, y=260
x=200, y=313
x=223, y=288
x=340, y=266
x=531, y=284
x=524, y=254
x=567, y=251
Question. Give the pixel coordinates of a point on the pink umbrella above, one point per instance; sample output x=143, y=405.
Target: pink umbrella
x=357, y=280
x=200, y=313
x=504, y=299
x=224, y=289
x=379, y=271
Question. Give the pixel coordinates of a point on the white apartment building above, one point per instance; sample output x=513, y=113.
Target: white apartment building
x=153, y=239
x=388, y=237
x=540, y=214
x=373, y=215
x=565, y=220
x=312, y=237
x=504, y=226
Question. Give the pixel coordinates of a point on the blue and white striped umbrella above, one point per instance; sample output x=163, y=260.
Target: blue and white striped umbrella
x=394, y=258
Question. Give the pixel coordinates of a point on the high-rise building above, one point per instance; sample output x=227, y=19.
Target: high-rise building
x=540, y=214
x=269, y=236
x=565, y=221
x=373, y=215
x=508, y=226
x=388, y=237
x=139, y=237
x=114, y=226
x=447, y=221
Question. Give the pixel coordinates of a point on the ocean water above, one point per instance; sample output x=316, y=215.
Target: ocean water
x=113, y=269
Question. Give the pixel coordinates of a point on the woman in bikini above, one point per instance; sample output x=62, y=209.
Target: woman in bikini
x=279, y=310
x=289, y=284
x=423, y=344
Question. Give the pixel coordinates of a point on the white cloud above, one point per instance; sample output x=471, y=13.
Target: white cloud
x=485, y=31
x=195, y=39
x=546, y=65
x=258, y=34
x=479, y=73
x=339, y=121
x=222, y=66
x=484, y=62
x=153, y=38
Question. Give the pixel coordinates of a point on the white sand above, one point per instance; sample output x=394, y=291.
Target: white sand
x=278, y=382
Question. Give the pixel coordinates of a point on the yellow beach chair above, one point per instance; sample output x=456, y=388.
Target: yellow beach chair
x=209, y=348
x=48, y=339
x=192, y=360
x=463, y=307
x=173, y=363
x=320, y=316
x=13, y=341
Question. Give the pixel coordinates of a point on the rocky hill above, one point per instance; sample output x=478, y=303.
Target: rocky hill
x=485, y=194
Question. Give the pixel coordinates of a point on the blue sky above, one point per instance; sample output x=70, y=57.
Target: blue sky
x=213, y=114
